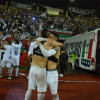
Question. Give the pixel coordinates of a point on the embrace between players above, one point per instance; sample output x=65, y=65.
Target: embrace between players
x=43, y=69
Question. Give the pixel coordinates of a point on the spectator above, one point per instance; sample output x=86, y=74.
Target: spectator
x=63, y=62
x=73, y=59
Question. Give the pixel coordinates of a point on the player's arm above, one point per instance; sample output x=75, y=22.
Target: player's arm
x=41, y=39
x=31, y=48
x=34, y=45
x=57, y=49
x=44, y=51
x=4, y=42
x=47, y=53
x=58, y=44
x=30, y=52
x=29, y=58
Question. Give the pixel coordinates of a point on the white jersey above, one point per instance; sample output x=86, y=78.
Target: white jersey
x=17, y=49
x=34, y=45
x=8, y=52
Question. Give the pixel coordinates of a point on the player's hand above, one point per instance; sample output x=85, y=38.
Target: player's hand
x=38, y=43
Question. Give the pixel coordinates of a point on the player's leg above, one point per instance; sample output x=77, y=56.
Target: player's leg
x=31, y=84
x=55, y=97
x=41, y=83
x=1, y=72
x=10, y=75
x=3, y=63
x=8, y=65
x=52, y=80
x=12, y=64
x=40, y=95
x=28, y=94
x=17, y=66
x=17, y=69
x=53, y=88
x=11, y=70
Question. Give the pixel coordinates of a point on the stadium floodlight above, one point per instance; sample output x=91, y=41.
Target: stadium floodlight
x=72, y=0
x=33, y=18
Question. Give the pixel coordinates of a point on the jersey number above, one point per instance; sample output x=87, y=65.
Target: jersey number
x=16, y=52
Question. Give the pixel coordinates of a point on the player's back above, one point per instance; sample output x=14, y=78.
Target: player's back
x=8, y=52
x=17, y=49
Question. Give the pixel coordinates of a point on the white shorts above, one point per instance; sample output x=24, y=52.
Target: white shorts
x=52, y=81
x=15, y=61
x=37, y=77
x=6, y=63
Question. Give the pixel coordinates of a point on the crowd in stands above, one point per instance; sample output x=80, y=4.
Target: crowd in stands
x=25, y=24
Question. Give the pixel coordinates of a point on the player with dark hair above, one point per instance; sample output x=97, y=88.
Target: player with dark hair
x=52, y=74
x=37, y=74
x=16, y=55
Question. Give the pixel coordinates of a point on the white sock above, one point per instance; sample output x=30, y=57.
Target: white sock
x=40, y=96
x=0, y=71
x=43, y=95
x=9, y=70
x=17, y=69
x=28, y=95
x=56, y=97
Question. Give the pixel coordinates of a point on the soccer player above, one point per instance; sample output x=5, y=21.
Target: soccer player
x=7, y=59
x=37, y=74
x=52, y=74
x=16, y=55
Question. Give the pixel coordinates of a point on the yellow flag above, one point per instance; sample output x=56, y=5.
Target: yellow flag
x=6, y=4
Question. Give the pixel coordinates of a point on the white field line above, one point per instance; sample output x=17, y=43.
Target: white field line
x=22, y=74
x=79, y=81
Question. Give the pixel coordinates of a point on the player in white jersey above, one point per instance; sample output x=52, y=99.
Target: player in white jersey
x=7, y=60
x=16, y=55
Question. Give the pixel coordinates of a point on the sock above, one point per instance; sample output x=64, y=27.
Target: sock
x=56, y=97
x=9, y=70
x=17, y=69
x=40, y=96
x=43, y=95
x=0, y=71
x=28, y=95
